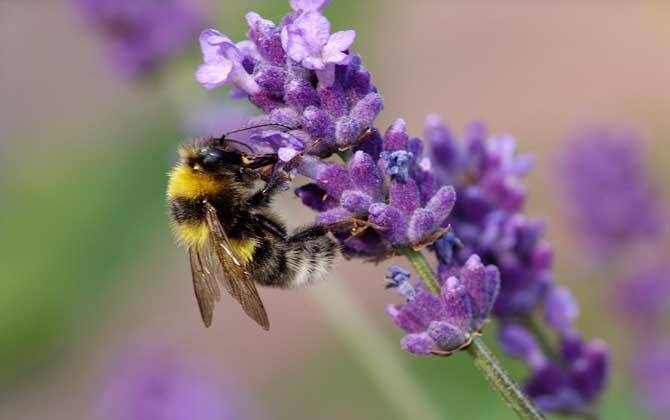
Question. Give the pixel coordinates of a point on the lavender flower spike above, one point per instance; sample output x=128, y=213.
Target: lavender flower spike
x=610, y=196
x=300, y=76
x=444, y=324
x=488, y=219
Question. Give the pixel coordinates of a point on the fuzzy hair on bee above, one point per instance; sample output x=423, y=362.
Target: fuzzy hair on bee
x=233, y=238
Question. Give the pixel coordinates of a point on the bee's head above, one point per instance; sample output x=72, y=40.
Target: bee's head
x=218, y=161
x=224, y=160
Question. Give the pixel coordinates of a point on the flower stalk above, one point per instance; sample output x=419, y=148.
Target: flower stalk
x=500, y=380
x=483, y=358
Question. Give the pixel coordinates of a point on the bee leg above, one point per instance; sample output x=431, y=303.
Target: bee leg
x=277, y=180
x=354, y=225
x=274, y=185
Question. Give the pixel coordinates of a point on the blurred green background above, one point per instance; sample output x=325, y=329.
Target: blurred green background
x=87, y=263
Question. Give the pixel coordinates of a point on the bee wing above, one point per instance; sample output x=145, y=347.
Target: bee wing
x=235, y=279
x=204, y=282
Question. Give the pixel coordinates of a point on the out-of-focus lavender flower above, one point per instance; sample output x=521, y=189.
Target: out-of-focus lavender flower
x=488, y=177
x=609, y=194
x=651, y=377
x=158, y=386
x=443, y=324
x=644, y=299
x=143, y=34
x=568, y=382
x=300, y=76
x=488, y=220
x=383, y=184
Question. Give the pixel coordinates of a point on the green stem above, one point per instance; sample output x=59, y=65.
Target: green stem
x=421, y=265
x=484, y=360
x=500, y=380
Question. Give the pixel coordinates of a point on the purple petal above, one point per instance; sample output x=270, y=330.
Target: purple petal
x=483, y=285
x=446, y=336
x=355, y=201
x=317, y=123
x=271, y=79
x=332, y=216
x=337, y=43
x=421, y=224
x=334, y=178
x=366, y=176
x=347, y=131
x=333, y=101
x=442, y=203
x=457, y=306
x=444, y=151
x=366, y=110
x=390, y=218
x=315, y=28
x=300, y=94
x=315, y=197
x=211, y=42
x=590, y=373
x=212, y=76
x=396, y=136
x=404, y=196
x=517, y=341
x=562, y=310
x=419, y=344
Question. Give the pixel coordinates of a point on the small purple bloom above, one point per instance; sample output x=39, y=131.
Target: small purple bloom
x=399, y=280
x=561, y=310
x=223, y=63
x=517, y=341
x=609, y=193
x=308, y=41
x=444, y=323
x=398, y=164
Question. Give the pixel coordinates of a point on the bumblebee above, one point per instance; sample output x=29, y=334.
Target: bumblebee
x=232, y=237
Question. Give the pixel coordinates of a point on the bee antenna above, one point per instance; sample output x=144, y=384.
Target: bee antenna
x=239, y=130
x=241, y=143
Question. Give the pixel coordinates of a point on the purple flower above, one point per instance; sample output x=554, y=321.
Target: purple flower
x=443, y=324
x=300, y=76
x=223, y=63
x=388, y=191
x=154, y=385
x=571, y=381
x=488, y=220
x=608, y=191
x=142, y=35
x=308, y=41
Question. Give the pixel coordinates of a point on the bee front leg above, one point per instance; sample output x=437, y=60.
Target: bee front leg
x=275, y=184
